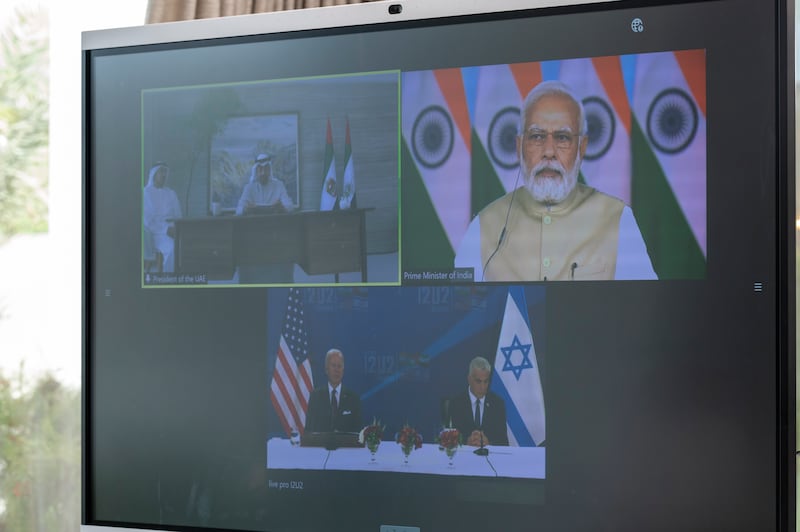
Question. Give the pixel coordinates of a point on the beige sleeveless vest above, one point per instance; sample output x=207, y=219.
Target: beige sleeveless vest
x=576, y=239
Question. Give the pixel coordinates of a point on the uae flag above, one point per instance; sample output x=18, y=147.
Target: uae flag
x=292, y=381
x=499, y=93
x=328, y=198
x=599, y=84
x=516, y=374
x=668, y=139
x=436, y=166
x=348, y=198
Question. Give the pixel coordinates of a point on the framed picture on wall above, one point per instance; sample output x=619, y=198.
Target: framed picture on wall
x=237, y=145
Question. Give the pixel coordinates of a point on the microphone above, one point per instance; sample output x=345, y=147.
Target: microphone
x=502, y=236
x=482, y=450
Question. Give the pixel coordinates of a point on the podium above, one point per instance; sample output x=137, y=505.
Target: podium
x=330, y=440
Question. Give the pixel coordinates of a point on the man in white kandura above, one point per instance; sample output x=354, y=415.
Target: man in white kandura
x=264, y=194
x=264, y=189
x=161, y=207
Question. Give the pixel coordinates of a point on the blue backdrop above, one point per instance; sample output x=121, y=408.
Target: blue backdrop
x=406, y=349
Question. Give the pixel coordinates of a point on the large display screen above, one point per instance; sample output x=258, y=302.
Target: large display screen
x=321, y=274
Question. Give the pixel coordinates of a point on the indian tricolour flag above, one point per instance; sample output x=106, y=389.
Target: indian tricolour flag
x=436, y=166
x=516, y=374
x=328, y=194
x=669, y=160
x=495, y=103
x=599, y=84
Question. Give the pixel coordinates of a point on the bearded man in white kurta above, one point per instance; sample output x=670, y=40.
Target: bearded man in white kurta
x=552, y=227
x=161, y=207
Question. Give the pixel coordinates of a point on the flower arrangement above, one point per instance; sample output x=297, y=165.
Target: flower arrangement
x=449, y=440
x=409, y=439
x=371, y=436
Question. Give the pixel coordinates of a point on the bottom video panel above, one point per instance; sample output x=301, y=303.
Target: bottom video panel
x=426, y=380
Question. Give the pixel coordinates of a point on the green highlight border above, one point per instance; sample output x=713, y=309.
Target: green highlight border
x=142, y=94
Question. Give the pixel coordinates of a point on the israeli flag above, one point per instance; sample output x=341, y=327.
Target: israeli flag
x=516, y=377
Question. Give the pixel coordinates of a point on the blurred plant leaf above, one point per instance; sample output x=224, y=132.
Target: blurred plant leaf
x=40, y=442
x=24, y=123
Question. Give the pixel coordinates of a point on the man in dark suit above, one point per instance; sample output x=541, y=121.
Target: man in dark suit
x=333, y=407
x=478, y=414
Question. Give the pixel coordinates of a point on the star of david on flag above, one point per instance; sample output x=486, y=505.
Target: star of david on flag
x=516, y=377
x=523, y=358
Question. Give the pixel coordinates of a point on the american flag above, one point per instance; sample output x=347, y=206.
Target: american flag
x=292, y=381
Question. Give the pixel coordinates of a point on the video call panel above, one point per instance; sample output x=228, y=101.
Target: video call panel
x=644, y=153
x=391, y=380
x=271, y=182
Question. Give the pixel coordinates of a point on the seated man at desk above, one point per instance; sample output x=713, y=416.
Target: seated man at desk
x=264, y=190
x=333, y=407
x=265, y=194
x=478, y=414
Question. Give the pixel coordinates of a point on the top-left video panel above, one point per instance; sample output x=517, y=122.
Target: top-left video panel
x=272, y=183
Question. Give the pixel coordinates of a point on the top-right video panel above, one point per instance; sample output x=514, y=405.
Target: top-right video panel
x=578, y=169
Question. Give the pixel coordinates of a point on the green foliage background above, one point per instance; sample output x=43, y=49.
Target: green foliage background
x=40, y=441
x=24, y=123
x=40, y=436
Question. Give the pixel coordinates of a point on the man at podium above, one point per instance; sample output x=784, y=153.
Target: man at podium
x=334, y=408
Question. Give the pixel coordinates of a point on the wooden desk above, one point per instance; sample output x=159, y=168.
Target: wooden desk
x=320, y=242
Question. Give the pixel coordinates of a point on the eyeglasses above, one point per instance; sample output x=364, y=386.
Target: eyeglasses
x=562, y=139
